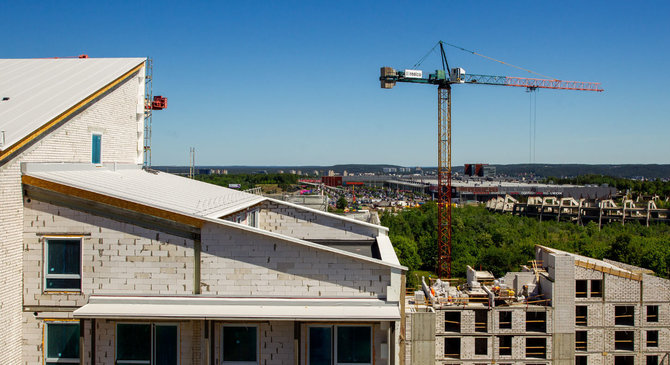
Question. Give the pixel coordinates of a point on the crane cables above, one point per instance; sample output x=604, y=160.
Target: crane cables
x=493, y=59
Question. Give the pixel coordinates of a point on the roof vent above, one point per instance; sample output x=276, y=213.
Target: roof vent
x=5, y=98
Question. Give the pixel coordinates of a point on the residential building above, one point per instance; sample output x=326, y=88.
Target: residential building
x=106, y=262
x=561, y=309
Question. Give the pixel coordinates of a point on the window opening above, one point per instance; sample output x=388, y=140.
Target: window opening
x=62, y=343
x=536, y=348
x=339, y=345
x=354, y=345
x=624, y=315
x=580, y=288
x=536, y=321
x=652, y=338
x=596, y=288
x=144, y=343
x=652, y=313
x=452, y=321
x=481, y=321
x=505, y=319
x=452, y=347
x=581, y=360
x=133, y=343
x=652, y=360
x=96, y=148
x=320, y=346
x=505, y=345
x=581, y=315
x=481, y=346
x=624, y=360
x=240, y=345
x=581, y=340
x=62, y=264
x=624, y=340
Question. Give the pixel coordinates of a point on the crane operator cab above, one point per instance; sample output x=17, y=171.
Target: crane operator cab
x=457, y=75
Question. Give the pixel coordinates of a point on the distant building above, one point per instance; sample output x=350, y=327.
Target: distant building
x=388, y=170
x=331, y=173
x=561, y=309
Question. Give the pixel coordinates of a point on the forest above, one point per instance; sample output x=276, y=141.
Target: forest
x=500, y=242
x=248, y=181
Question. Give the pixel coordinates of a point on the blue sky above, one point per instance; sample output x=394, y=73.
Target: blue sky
x=295, y=83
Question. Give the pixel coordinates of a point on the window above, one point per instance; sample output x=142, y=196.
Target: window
x=581, y=340
x=536, y=321
x=96, y=148
x=581, y=360
x=505, y=319
x=624, y=315
x=580, y=288
x=354, y=345
x=652, y=360
x=452, y=321
x=452, y=347
x=240, y=345
x=62, y=343
x=481, y=321
x=349, y=345
x=62, y=264
x=505, y=345
x=596, y=288
x=536, y=348
x=581, y=315
x=652, y=338
x=624, y=360
x=652, y=313
x=251, y=219
x=624, y=340
x=144, y=343
x=481, y=346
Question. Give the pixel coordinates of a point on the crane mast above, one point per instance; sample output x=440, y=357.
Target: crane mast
x=444, y=78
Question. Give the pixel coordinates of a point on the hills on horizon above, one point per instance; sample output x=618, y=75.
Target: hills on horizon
x=648, y=171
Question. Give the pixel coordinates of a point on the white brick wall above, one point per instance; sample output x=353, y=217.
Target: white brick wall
x=236, y=262
x=118, y=258
x=302, y=224
x=115, y=115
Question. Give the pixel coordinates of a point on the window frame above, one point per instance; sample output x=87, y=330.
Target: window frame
x=45, y=265
x=45, y=339
x=100, y=149
x=258, y=339
x=332, y=341
x=152, y=344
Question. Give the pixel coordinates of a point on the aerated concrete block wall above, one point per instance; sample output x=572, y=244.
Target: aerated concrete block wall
x=303, y=224
x=238, y=262
x=117, y=258
x=116, y=116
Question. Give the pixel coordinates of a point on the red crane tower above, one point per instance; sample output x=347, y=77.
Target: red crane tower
x=444, y=78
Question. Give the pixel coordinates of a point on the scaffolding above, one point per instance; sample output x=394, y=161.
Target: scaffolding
x=148, y=112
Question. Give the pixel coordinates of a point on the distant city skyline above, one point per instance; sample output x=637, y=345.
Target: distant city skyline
x=296, y=83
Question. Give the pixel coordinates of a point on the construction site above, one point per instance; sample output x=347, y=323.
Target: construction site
x=561, y=308
x=582, y=211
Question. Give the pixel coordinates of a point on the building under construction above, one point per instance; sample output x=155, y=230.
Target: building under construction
x=560, y=309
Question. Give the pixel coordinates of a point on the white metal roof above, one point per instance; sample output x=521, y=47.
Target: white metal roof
x=41, y=89
x=278, y=309
x=155, y=189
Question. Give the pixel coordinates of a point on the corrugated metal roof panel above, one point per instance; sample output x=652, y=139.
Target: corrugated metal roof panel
x=279, y=309
x=41, y=89
x=155, y=189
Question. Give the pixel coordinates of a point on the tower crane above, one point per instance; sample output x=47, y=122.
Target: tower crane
x=444, y=78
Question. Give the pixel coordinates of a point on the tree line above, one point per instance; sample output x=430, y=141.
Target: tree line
x=501, y=243
x=248, y=181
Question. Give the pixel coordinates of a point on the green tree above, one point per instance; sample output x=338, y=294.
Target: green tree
x=341, y=203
